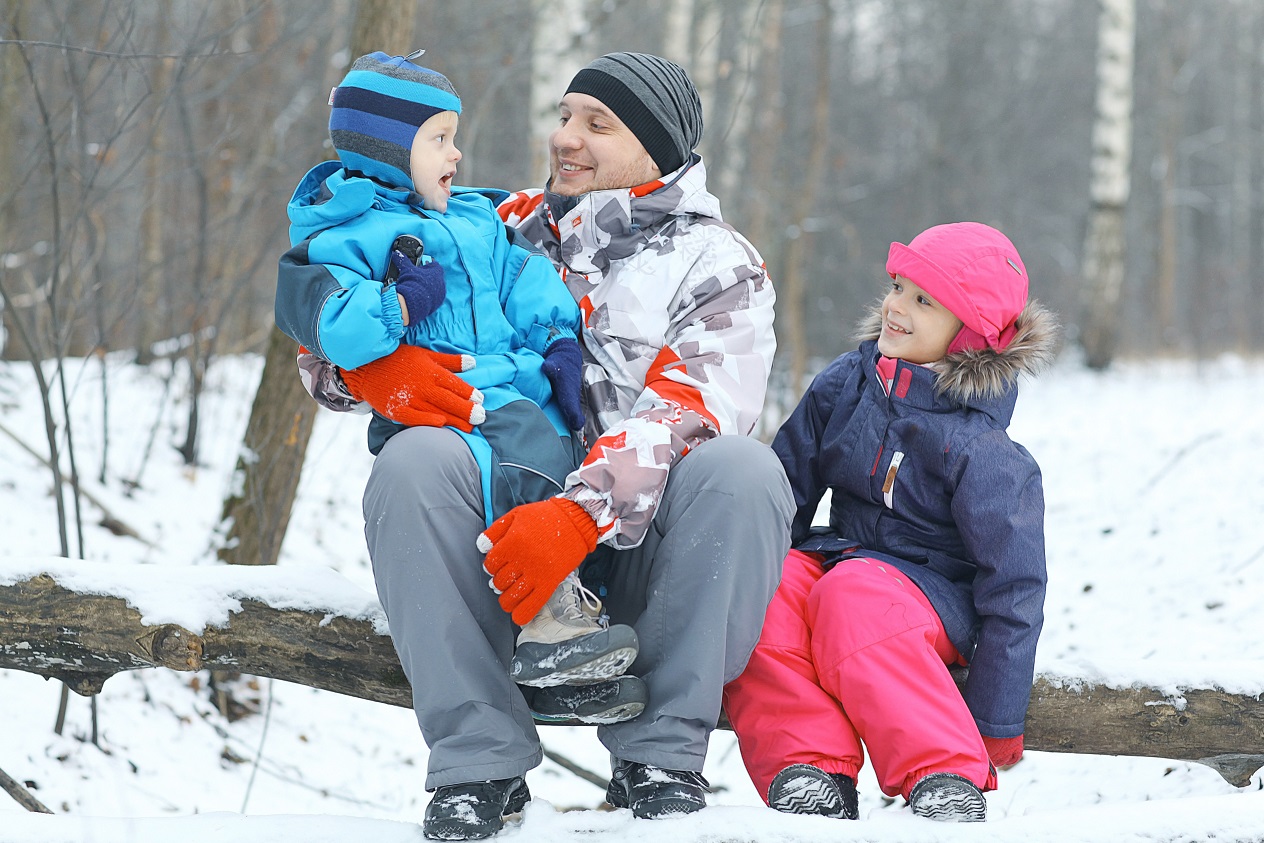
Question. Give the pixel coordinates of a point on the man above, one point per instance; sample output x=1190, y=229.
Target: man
x=680, y=520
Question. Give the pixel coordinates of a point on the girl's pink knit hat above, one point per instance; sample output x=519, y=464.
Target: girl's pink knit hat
x=974, y=271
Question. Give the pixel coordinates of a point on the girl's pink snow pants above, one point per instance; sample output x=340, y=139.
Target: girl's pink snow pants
x=853, y=655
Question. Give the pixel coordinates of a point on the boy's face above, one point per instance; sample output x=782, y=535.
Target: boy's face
x=915, y=327
x=433, y=160
x=592, y=149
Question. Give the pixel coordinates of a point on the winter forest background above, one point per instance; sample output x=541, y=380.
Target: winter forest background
x=149, y=149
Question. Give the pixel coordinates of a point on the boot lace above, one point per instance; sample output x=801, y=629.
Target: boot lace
x=578, y=602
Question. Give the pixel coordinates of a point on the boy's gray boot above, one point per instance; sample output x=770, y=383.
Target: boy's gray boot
x=568, y=642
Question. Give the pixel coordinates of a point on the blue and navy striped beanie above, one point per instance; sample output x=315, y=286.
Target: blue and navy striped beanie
x=377, y=111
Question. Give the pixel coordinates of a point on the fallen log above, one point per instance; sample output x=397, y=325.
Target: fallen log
x=82, y=623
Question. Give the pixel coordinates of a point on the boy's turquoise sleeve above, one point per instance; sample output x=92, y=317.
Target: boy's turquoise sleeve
x=532, y=294
x=328, y=301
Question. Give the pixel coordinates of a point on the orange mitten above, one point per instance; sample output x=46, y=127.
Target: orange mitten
x=530, y=550
x=416, y=386
x=1004, y=751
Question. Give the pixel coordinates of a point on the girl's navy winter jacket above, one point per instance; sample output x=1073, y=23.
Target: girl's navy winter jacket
x=927, y=479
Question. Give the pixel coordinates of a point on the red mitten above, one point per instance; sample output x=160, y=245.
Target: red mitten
x=1004, y=752
x=530, y=550
x=415, y=386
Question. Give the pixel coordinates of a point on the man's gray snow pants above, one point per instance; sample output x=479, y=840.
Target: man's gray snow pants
x=695, y=590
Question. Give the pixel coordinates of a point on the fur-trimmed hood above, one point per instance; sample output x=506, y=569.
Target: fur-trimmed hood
x=987, y=372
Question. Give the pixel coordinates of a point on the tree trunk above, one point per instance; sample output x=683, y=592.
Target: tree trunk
x=678, y=33
x=736, y=136
x=1255, y=234
x=153, y=257
x=762, y=187
x=257, y=511
x=1239, y=288
x=385, y=25
x=1109, y=186
x=265, y=482
x=11, y=110
x=703, y=68
x=85, y=637
x=797, y=248
x=558, y=51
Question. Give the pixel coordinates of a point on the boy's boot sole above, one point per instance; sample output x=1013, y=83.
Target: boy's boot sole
x=595, y=657
x=601, y=703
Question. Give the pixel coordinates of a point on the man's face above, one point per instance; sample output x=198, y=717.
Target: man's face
x=915, y=327
x=591, y=149
x=433, y=159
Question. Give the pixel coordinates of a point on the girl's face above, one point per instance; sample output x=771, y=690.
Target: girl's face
x=915, y=327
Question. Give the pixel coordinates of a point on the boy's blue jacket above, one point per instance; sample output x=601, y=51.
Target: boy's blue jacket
x=962, y=510
x=504, y=304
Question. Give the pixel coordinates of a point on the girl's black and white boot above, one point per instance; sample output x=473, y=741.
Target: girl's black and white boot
x=948, y=798
x=804, y=789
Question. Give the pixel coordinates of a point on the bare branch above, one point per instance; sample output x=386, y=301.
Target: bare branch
x=21, y=794
x=70, y=48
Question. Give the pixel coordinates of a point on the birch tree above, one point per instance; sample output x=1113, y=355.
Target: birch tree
x=1109, y=185
x=559, y=49
x=804, y=205
x=704, y=58
x=1245, y=105
x=678, y=33
x=737, y=134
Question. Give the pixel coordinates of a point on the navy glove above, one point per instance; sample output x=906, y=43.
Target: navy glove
x=564, y=366
x=421, y=287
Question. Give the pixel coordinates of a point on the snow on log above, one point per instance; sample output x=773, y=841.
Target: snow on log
x=82, y=623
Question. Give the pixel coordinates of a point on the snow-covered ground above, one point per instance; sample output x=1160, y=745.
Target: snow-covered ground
x=1156, y=561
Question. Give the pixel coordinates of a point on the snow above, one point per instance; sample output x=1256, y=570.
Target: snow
x=1154, y=495
x=196, y=598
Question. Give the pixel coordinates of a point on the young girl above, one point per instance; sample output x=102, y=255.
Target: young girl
x=934, y=553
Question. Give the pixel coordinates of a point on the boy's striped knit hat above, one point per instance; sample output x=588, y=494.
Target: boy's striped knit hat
x=377, y=111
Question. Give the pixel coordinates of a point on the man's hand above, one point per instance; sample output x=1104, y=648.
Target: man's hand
x=530, y=550
x=1004, y=752
x=416, y=387
x=564, y=367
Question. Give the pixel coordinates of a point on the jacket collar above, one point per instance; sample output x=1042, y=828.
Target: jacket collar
x=329, y=195
x=603, y=226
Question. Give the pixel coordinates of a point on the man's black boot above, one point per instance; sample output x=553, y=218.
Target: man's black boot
x=653, y=792
x=473, y=810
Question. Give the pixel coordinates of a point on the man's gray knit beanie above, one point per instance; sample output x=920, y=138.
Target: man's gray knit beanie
x=653, y=97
